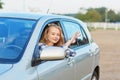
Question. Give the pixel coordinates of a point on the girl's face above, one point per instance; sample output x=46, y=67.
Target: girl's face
x=53, y=36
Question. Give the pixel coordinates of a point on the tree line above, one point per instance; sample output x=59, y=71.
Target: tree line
x=101, y=14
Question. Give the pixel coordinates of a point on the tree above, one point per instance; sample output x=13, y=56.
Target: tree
x=111, y=16
x=93, y=16
x=118, y=17
x=102, y=12
x=1, y=3
x=81, y=16
x=90, y=16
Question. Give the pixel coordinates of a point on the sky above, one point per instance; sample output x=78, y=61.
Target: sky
x=58, y=6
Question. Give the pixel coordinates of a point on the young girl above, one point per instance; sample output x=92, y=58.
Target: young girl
x=53, y=36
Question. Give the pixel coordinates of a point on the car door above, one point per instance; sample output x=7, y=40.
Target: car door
x=56, y=69
x=83, y=59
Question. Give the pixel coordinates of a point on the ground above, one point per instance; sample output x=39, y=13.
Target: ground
x=109, y=43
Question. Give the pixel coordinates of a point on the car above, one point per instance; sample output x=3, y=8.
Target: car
x=19, y=38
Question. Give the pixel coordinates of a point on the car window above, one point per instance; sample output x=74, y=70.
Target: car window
x=42, y=39
x=14, y=36
x=84, y=38
x=71, y=28
x=46, y=25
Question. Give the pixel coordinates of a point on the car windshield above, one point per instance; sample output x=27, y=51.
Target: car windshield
x=14, y=36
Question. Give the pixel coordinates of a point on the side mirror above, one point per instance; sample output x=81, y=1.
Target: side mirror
x=52, y=53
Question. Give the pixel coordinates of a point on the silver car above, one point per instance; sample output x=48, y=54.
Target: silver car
x=19, y=38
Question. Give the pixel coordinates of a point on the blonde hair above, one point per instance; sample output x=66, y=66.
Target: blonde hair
x=44, y=36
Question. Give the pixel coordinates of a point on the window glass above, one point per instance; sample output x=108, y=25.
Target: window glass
x=14, y=36
x=84, y=37
x=71, y=28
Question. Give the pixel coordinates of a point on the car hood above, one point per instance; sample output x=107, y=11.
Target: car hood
x=5, y=67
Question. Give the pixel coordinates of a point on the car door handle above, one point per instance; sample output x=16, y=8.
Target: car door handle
x=91, y=53
x=97, y=49
x=70, y=60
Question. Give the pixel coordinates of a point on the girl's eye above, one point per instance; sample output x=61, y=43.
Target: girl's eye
x=53, y=34
x=58, y=34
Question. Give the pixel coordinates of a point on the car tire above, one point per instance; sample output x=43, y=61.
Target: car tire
x=95, y=76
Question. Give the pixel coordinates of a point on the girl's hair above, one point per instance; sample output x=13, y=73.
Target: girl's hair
x=45, y=33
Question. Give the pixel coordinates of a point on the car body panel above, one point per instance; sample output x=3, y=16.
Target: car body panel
x=5, y=68
x=84, y=62
x=79, y=67
x=56, y=70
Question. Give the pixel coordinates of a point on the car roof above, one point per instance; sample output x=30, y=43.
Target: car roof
x=34, y=16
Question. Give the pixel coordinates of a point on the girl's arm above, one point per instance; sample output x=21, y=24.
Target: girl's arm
x=72, y=40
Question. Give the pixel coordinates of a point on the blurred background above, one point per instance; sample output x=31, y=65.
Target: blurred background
x=95, y=13
x=102, y=18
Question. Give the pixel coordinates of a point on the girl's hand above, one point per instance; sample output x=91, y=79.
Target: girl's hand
x=72, y=40
x=74, y=37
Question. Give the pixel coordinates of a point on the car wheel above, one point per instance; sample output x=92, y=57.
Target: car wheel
x=95, y=76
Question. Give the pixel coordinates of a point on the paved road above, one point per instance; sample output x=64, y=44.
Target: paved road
x=109, y=42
